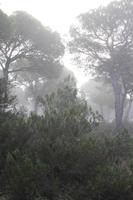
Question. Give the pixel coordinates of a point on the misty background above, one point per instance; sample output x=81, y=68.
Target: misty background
x=66, y=100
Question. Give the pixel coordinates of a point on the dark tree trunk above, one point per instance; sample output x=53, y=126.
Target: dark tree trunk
x=6, y=85
x=5, y=100
x=119, y=107
x=119, y=95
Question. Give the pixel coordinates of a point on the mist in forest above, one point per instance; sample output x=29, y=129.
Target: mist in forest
x=66, y=100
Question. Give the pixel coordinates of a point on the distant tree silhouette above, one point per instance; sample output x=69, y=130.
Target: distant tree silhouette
x=24, y=37
x=103, y=44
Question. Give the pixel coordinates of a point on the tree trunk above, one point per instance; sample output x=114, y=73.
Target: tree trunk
x=6, y=85
x=119, y=107
x=119, y=95
x=5, y=99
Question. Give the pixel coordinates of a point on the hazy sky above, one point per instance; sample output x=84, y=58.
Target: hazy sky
x=57, y=14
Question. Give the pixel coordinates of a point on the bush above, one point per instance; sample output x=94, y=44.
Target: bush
x=58, y=156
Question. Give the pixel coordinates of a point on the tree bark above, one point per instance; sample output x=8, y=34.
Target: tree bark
x=119, y=107
x=6, y=79
x=119, y=95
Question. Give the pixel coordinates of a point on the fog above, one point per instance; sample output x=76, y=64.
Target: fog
x=54, y=14
x=66, y=100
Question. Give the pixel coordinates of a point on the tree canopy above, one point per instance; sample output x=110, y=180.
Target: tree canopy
x=24, y=37
x=67, y=151
x=103, y=44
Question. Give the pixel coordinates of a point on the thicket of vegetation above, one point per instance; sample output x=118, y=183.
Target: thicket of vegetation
x=58, y=156
x=64, y=150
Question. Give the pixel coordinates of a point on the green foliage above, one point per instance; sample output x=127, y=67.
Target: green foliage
x=20, y=175
x=72, y=111
x=102, y=43
x=58, y=156
x=26, y=45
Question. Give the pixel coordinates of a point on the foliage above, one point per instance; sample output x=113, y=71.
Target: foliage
x=58, y=155
x=62, y=154
x=102, y=43
x=38, y=86
x=25, y=40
